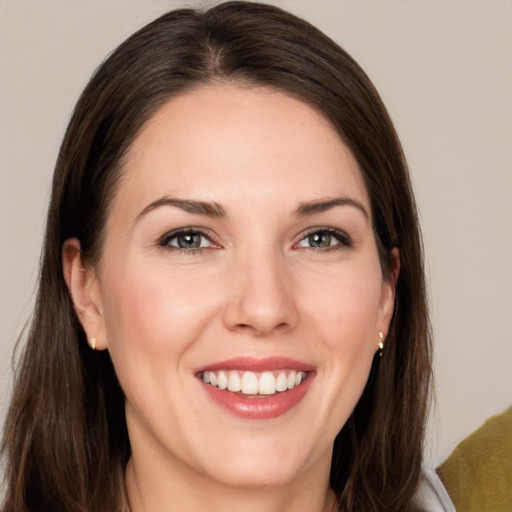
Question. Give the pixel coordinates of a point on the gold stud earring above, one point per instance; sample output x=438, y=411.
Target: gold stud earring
x=92, y=343
x=381, y=343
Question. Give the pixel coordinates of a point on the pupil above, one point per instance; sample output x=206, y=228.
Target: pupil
x=189, y=241
x=320, y=240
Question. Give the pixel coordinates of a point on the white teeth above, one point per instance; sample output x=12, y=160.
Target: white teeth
x=234, y=382
x=291, y=379
x=223, y=380
x=250, y=383
x=281, y=382
x=267, y=384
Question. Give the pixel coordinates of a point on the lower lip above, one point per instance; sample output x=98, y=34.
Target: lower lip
x=268, y=407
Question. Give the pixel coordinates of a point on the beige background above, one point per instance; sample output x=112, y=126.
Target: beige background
x=444, y=69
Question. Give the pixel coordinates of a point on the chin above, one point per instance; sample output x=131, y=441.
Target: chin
x=260, y=467
x=248, y=477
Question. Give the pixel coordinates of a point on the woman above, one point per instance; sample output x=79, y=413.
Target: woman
x=231, y=309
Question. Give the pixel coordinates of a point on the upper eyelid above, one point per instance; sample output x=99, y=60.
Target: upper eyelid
x=179, y=231
x=343, y=238
x=215, y=240
x=323, y=229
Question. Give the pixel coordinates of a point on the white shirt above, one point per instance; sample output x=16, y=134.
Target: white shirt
x=431, y=495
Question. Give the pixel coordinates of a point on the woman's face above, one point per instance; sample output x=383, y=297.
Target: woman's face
x=239, y=251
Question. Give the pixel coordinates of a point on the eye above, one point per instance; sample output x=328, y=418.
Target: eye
x=187, y=240
x=325, y=239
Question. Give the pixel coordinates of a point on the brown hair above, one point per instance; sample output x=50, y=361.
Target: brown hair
x=65, y=439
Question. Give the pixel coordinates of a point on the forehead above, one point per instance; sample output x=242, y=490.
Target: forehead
x=233, y=143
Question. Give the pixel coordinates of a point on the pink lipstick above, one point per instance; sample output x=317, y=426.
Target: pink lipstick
x=254, y=388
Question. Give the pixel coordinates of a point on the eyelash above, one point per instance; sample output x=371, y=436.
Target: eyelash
x=168, y=237
x=344, y=240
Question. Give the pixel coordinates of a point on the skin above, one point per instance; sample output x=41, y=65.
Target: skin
x=257, y=288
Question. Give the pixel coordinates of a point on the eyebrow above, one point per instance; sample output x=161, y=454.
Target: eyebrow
x=216, y=210
x=312, y=207
x=190, y=206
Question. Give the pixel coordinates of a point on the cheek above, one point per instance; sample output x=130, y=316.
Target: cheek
x=343, y=324
x=346, y=320
x=152, y=311
x=348, y=307
x=152, y=321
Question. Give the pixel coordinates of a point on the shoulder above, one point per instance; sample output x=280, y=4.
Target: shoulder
x=431, y=495
x=478, y=472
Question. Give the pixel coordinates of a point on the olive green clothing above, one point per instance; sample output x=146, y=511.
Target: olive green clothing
x=478, y=473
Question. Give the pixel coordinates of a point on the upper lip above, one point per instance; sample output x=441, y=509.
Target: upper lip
x=253, y=364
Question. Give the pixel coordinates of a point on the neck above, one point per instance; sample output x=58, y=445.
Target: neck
x=150, y=491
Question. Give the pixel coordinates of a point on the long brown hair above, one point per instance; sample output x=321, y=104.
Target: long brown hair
x=65, y=440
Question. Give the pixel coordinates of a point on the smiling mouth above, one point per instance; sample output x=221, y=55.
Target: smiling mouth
x=254, y=384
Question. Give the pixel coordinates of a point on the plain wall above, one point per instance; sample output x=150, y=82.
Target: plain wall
x=444, y=70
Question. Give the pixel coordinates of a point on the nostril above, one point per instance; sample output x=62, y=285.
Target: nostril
x=244, y=327
x=261, y=328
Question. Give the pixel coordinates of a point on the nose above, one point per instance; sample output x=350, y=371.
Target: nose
x=262, y=299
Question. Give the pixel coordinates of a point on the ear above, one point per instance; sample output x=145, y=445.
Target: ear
x=387, y=302
x=85, y=293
